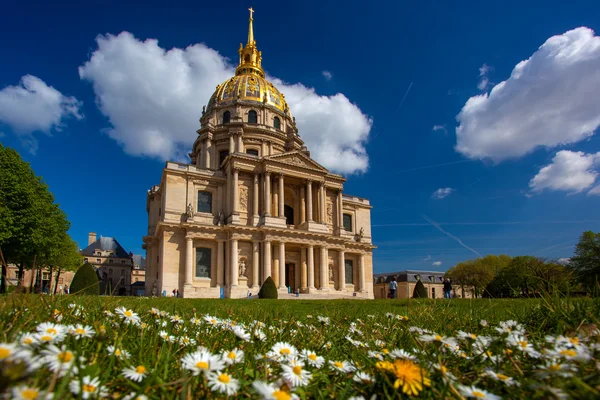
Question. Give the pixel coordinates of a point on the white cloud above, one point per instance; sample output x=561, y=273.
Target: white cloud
x=153, y=99
x=564, y=261
x=436, y=263
x=427, y=258
x=328, y=75
x=442, y=193
x=483, y=82
x=595, y=191
x=440, y=128
x=483, y=79
x=549, y=100
x=484, y=69
x=33, y=106
x=569, y=171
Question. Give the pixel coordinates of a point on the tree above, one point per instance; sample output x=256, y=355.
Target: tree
x=85, y=281
x=268, y=290
x=64, y=257
x=420, y=291
x=586, y=260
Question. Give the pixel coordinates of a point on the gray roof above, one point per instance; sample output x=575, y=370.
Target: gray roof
x=139, y=260
x=105, y=244
x=411, y=276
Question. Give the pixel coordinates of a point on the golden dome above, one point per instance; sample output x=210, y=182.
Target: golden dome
x=249, y=83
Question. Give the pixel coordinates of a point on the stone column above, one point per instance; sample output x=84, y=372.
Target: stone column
x=267, y=260
x=282, y=265
x=361, y=273
x=311, y=266
x=303, y=271
x=267, y=194
x=231, y=145
x=201, y=156
x=324, y=269
x=233, y=244
x=263, y=148
x=270, y=148
x=255, y=197
x=189, y=248
x=207, y=155
x=255, y=265
x=322, y=204
x=276, y=198
x=281, y=197
x=220, y=262
x=309, y=211
x=302, y=206
x=341, y=271
x=236, y=191
x=240, y=144
x=340, y=207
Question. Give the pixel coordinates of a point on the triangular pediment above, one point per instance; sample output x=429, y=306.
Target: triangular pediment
x=297, y=158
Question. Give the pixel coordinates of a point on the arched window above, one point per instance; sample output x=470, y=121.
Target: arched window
x=252, y=117
x=247, y=58
x=288, y=212
x=276, y=123
x=222, y=156
x=226, y=117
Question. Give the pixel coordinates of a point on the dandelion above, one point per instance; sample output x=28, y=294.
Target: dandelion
x=294, y=374
x=128, y=316
x=475, y=393
x=223, y=382
x=202, y=361
x=233, y=357
x=312, y=358
x=88, y=388
x=409, y=376
x=268, y=391
x=341, y=366
x=136, y=374
x=80, y=331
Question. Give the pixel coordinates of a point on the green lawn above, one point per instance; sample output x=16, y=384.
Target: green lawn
x=364, y=337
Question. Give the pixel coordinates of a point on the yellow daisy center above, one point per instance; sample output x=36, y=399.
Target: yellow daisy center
x=117, y=352
x=65, y=356
x=478, y=394
x=202, y=365
x=213, y=321
x=473, y=336
x=46, y=338
x=502, y=377
x=281, y=395
x=297, y=370
x=312, y=357
x=522, y=343
x=574, y=340
x=231, y=355
x=385, y=351
x=338, y=364
x=140, y=369
x=128, y=313
x=51, y=331
x=30, y=394
x=224, y=378
x=509, y=351
x=285, y=351
x=4, y=353
x=438, y=338
x=554, y=367
x=89, y=388
x=27, y=341
x=80, y=331
x=570, y=353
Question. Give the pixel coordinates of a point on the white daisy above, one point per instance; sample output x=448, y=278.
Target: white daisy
x=129, y=317
x=187, y=341
x=312, y=358
x=120, y=353
x=135, y=396
x=323, y=320
x=80, y=331
x=294, y=374
x=402, y=354
x=501, y=378
x=202, y=361
x=212, y=320
x=232, y=357
x=49, y=332
x=363, y=377
x=7, y=351
x=27, y=339
x=24, y=392
x=58, y=359
x=241, y=333
x=223, y=382
x=475, y=393
x=341, y=366
x=268, y=391
x=283, y=350
x=89, y=387
x=136, y=374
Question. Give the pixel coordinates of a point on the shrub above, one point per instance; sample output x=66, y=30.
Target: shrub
x=268, y=289
x=420, y=292
x=85, y=281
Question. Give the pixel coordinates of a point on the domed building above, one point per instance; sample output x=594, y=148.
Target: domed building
x=253, y=204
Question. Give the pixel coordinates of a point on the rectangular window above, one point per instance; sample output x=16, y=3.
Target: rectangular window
x=123, y=261
x=203, y=262
x=98, y=260
x=348, y=222
x=252, y=152
x=45, y=276
x=222, y=156
x=204, y=202
x=60, y=280
x=349, y=271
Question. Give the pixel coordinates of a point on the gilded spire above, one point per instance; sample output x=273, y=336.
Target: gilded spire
x=251, y=41
x=250, y=57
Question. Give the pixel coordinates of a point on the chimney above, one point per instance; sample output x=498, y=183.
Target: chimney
x=91, y=237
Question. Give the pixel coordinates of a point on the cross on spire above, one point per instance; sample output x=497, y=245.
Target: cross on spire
x=251, y=11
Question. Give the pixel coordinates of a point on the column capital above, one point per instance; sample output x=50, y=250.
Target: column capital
x=280, y=175
x=235, y=170
x=267, y=173
x=255, y=178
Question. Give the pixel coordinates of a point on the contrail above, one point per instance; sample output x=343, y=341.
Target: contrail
x=405, y=94
x=435, y=165
x=439, y=228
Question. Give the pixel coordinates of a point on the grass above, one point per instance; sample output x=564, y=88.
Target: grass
x=362, y=333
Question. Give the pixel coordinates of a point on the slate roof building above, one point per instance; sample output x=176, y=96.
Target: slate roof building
x=432, y=280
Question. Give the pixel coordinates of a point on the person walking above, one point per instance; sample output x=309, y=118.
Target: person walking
x=447, y=288
x=393, y=287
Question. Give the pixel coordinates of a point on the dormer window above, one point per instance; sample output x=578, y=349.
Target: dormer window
x=226, y=117
x=252, y=117
x=252, y=152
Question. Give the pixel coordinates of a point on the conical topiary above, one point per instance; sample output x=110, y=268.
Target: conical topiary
x=85, y=281
x=420, y=292
x=268, y=289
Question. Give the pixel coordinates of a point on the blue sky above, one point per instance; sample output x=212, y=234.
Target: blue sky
x=391, y=84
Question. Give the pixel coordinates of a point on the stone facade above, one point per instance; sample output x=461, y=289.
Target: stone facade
x=253, y=204
x=48, y=284
x=406, y=280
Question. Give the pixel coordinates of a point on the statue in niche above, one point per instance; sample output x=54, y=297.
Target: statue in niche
x=242, y=268
x=360, y=235
x=190, y=212
x=330, y=272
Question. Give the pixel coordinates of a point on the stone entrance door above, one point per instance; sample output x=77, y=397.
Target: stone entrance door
x=290, y=276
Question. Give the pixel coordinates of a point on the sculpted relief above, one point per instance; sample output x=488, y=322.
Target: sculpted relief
x=329, y=212
x=243, y=198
